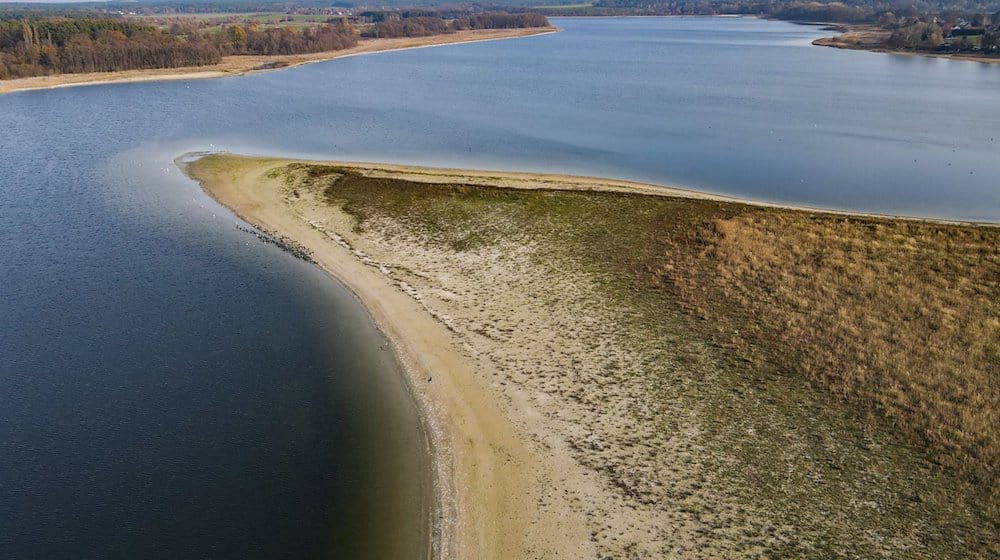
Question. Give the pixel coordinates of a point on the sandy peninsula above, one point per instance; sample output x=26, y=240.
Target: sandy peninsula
x=618, y=370
x=489, y=481
x=248, y=64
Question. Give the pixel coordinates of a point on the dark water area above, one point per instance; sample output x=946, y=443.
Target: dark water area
x=172, y=387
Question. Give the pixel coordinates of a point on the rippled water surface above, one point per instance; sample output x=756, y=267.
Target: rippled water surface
x=172, y=388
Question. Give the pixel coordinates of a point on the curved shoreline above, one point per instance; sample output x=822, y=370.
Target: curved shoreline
x=491, y=466
x=566, y=181
x=243, y=65
x=485, y=477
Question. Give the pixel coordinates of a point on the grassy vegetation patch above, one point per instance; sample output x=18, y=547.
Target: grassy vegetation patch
x=846, y=370
x=899, y=317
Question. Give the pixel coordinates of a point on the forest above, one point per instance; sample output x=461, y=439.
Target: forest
x=39, y=46
x=237, y=39
x=846, y=11
x=434, y=25
x=58, y=45
x=33, y=48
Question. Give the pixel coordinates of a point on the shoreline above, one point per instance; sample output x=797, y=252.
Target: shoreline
x=477, y=456
x=244, y=65
x=504, y=484
x=531, y=455
x=871, y=39
x=566, y=181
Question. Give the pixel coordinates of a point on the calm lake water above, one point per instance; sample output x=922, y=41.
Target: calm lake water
x=172, y=388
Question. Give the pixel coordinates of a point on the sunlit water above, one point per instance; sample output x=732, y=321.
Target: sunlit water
x=170, y=387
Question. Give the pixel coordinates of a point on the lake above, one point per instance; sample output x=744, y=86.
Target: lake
x=172, y=387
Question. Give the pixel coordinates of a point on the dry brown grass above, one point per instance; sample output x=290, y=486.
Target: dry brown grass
x=775, y=381
x=872, y=38
x=896, y=316
x=857, y=37
x=899, y=318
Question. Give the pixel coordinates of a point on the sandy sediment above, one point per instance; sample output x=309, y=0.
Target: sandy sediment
x=489, y=482
x=544, y=445
x=249, y=64
x=562, y=426
x=545, y=441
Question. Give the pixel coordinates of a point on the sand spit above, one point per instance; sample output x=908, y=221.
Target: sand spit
x=252, y=64
x=489, y=482
x=566, y=421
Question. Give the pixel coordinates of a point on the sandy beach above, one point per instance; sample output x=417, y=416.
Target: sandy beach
x=489, y=481
x=509, y=483
x=554, y=432
x=243, y=65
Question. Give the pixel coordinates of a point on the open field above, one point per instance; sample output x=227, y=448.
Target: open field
x=247, y=64
x=689, y=377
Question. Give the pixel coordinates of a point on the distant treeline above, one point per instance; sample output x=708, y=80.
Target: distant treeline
x=421, y=26
x=166, y=7
x=847, y=11
x=55, y=46
x=238, y=39
x=501, y=20
x=834, y=11
x=33, y=48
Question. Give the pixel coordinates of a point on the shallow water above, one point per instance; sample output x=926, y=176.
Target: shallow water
x=171, y=387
